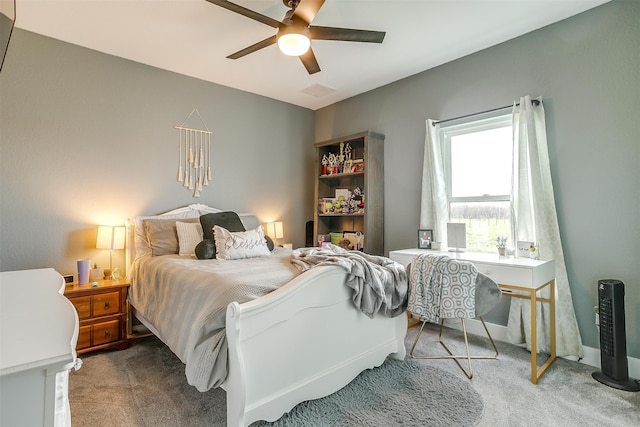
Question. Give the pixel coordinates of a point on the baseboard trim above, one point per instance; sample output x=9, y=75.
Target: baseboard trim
x=499, y=333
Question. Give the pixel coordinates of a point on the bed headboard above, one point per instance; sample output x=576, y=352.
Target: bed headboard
x=249, y=220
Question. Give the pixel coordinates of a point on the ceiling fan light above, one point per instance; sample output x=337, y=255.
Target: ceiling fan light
x=294, y=44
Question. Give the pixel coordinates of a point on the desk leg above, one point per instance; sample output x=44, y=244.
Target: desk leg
x=552, y=305
x=535, y=373
x=534, y=339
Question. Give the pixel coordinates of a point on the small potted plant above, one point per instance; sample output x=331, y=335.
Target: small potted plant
x=501, y=244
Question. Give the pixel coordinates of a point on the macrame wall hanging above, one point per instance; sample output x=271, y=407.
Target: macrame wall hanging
x=194, y=156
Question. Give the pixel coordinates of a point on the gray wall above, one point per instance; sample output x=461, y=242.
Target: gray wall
x=587, y=69
x=88, y=139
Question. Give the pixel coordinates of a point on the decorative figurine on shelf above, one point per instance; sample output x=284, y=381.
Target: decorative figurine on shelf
x=333, y=163
x=347, y=151
x=341, y=156
x=358, y=239
x=325, y=163
x=345, y=243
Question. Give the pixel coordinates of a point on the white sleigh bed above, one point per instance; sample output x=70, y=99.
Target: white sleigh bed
x=302, y=341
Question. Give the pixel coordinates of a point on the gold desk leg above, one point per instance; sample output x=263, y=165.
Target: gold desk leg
x=534, y=339
x=552, y=332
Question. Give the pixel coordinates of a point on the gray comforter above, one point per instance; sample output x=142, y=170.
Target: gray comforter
x=379, y=284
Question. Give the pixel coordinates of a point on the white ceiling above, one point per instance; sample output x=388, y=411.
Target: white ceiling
x=193, y=37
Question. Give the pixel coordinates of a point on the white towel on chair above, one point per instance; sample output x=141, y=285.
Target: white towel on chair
x=442, y=287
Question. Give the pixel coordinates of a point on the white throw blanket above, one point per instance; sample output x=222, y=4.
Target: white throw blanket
x=442, y=287
x=378, y=283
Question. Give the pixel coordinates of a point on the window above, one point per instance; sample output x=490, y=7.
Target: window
x=478, y=178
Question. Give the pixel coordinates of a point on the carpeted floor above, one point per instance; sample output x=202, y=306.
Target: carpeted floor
x=566, y=395
x=145, y=386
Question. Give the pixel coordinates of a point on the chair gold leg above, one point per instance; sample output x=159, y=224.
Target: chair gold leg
x=468, y=355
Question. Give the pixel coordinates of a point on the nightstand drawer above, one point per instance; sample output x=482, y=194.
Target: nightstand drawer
x=106, y=332
x=105, y=304
x=83, y=306
x=84, y=337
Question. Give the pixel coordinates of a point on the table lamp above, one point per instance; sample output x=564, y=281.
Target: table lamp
x=274, y=230
x=110, y=237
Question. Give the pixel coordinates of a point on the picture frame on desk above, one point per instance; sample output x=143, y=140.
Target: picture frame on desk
x=523, y=248
x=425, y=237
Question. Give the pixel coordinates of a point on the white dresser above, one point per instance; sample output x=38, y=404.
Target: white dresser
x=38, y=335
x=518, y=278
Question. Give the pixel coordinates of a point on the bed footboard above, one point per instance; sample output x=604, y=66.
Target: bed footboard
x=303, y=341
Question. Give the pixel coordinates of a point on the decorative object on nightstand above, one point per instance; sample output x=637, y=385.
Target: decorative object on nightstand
x=96, y=273
x=111, y=238
x=83, y=271
x=275, y=231
x=102, y=312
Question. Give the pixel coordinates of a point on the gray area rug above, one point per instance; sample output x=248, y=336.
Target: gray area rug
x=145, y=385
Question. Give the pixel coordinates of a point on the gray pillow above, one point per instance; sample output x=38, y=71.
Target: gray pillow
x=206, y=249
x=163, y=235
x=270, y=244
x=229, y=220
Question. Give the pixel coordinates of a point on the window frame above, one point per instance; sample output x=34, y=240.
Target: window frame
x=465, y=127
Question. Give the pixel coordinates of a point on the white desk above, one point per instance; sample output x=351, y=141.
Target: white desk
x=517, y=278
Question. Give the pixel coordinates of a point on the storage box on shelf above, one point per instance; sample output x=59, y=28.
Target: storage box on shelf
x=349, y=188
x=102, y=311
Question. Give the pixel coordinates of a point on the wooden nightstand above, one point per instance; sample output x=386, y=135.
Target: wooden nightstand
x=102, y=312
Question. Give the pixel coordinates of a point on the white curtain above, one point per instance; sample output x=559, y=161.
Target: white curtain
x=533, y=218
x=434, y=209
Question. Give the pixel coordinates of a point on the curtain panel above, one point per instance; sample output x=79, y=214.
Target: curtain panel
x=534, y=218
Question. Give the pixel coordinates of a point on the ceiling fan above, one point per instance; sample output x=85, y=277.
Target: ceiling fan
x=295, y=31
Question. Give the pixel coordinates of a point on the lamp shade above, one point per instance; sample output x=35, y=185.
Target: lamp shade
x=110, y=237
x=274, y=230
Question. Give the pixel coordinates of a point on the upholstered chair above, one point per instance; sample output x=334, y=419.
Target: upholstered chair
x=447, y=288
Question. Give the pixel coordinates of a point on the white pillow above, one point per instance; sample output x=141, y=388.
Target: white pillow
x=189, y=235
x=241, y=244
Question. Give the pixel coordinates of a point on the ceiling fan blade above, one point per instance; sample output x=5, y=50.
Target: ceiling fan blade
x=308, y=9
x=254, y=47
x=346, y=34
x=246, y=12
x=310, y=62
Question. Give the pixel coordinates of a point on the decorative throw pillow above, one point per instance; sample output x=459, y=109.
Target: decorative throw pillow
x=206, y=249
x=239, y=245
x=162, y=235
x=189, y=235
x=229, y=220
x=270, y=244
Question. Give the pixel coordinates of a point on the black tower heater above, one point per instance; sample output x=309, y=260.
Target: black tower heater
x=613, y=341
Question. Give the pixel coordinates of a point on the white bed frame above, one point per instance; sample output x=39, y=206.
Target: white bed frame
x=302, y=341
